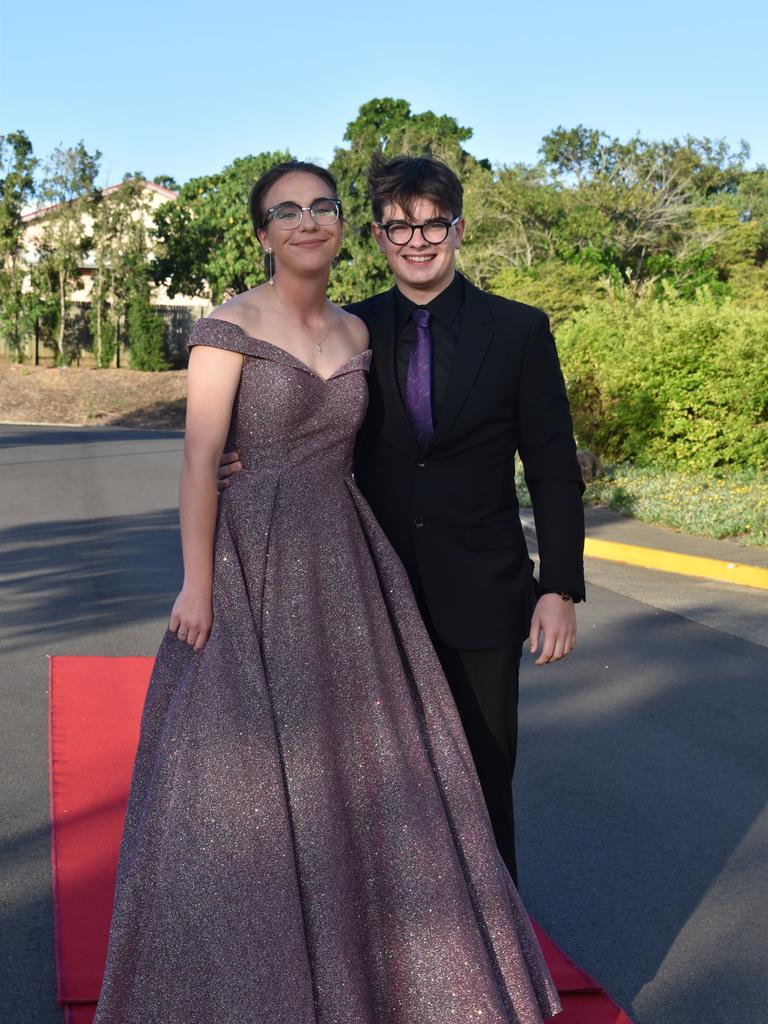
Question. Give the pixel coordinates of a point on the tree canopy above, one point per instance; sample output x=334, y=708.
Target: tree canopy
x=593, y=216
x=17, y=187
x=205, y=238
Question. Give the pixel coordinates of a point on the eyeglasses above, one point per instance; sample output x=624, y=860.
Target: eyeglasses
x=324, y=212
x=432, y=231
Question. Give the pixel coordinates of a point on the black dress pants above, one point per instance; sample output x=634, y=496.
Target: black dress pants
x=485, y=687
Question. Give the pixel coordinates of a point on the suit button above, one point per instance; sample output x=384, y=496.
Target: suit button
x=421, y=463
x=418, y=523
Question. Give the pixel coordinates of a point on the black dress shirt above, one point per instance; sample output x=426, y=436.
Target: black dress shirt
x=446, y=311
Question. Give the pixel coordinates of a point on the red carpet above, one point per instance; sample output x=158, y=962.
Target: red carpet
x=95, y=707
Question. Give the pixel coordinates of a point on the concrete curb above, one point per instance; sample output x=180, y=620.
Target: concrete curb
x=39, y=423
x=715, y=569
x=684, y=565
x=92, y=427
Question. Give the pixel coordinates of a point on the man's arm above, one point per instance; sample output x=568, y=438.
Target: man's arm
x=548, y=451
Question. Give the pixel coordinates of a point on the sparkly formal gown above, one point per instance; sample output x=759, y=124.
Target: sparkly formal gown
x=306, y=840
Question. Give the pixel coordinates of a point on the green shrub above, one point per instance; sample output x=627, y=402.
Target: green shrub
x=146, y=334
x=559, y=288
x=716, y=503
x=725, y=503
x=661, y=382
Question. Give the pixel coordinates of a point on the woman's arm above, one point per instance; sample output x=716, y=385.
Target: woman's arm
x=212, y=382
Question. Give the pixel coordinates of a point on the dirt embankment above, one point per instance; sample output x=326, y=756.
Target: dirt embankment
x=89, y=397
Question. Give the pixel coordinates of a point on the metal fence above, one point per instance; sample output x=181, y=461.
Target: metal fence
x=78, y=340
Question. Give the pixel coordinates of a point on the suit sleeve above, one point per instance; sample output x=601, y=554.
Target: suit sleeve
x=548, y=451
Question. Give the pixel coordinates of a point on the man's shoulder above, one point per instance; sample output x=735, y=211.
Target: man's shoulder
x=369, y=306
x=509, y=310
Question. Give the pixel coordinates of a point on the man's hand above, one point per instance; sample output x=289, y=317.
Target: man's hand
x=557, y=618
x=230, y=463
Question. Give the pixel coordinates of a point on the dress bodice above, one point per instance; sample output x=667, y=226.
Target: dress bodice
x=285, y=415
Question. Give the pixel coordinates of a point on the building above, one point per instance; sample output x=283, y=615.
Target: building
x=179, y=311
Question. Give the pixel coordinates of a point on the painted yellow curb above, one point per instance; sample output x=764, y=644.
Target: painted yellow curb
x=684, y=565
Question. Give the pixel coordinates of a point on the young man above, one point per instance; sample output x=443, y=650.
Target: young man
x=460, y=381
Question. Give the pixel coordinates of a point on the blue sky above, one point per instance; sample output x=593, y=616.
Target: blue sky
x=183, y=90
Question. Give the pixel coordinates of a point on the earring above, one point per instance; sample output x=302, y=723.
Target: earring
x=271, y=267
x=336, y=257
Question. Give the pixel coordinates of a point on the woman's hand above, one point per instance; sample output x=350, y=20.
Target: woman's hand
x=192, y=618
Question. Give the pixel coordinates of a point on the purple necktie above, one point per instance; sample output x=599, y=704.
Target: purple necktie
x=418, y=397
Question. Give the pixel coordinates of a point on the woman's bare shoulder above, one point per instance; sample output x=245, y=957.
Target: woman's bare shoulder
x=243, y=310
x=356, y=329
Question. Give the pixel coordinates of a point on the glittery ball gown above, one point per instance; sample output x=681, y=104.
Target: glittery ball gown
x=306, y=840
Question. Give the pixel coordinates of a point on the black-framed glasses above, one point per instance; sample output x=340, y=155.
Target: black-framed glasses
x=399, y=232
x=324, y=212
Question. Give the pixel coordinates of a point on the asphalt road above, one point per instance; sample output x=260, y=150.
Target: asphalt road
x=643, y=771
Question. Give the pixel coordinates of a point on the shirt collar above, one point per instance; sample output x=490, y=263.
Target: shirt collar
x=445, y=307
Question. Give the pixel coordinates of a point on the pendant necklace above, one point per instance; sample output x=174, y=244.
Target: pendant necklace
x=319, y=344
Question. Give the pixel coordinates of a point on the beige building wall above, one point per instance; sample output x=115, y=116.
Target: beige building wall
x=156, y=195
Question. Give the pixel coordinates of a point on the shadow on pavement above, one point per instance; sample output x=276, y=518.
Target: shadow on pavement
x=26, y=937
x=81, y=577
x=14, y=436
x=641, y=772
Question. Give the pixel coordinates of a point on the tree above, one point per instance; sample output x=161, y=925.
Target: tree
x=573, y=151
x=205, y=240
x=166, y=181
x=121, y=255
x=599, y=213
x=121, y=294
x=709, y=165
x=632, y=205
x=17, y=187
x=68, y=187
x=512, y=219
x=742, y=253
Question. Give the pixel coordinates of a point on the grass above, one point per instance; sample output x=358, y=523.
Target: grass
x=722, y=503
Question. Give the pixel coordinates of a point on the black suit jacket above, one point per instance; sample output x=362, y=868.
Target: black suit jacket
x=451, y=511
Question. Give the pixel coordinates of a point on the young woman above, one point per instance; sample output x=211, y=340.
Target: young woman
x=306, y=841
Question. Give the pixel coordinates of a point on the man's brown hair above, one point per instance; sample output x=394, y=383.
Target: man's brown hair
x=404, y=180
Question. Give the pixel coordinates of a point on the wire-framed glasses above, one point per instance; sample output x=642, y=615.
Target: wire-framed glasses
x=323, y=212
x=399, y=232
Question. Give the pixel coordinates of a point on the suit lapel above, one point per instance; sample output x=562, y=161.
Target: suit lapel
x=382, y=328
x=474, y=338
